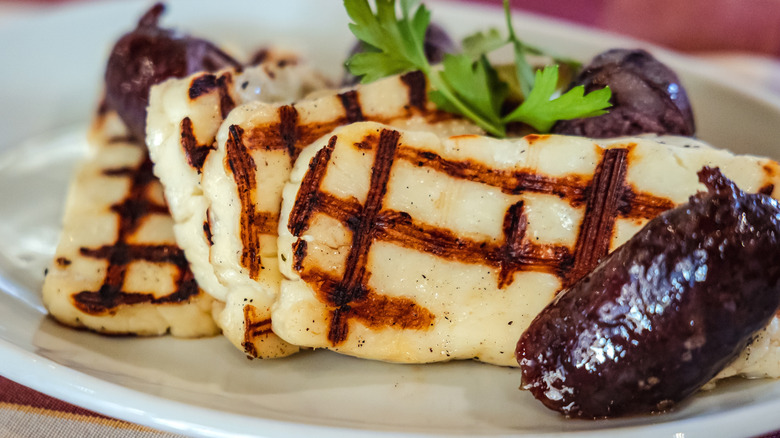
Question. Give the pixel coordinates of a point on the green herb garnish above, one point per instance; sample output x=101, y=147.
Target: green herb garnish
x=466, y=84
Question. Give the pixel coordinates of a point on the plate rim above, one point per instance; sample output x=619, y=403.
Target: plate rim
x=80, y=388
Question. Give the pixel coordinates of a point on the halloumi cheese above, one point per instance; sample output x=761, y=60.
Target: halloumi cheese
x=183, y=118
x=117, y=268
x=401, y=246
x=243, y=179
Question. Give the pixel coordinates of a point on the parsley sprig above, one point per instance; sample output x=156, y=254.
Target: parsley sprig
x=466, y=83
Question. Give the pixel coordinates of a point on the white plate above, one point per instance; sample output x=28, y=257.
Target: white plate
x=52, y=65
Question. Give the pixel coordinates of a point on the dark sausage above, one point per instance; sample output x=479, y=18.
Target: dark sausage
x=664, y=313
x=149, y=55
x=647, y=97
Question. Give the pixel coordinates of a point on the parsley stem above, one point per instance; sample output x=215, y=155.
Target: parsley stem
x=438, y=84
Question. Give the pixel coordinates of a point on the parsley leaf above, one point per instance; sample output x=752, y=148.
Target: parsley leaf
x=482, y=43
x=398, y=44
x=539, y=111
x=466, y=84
x=476, y=85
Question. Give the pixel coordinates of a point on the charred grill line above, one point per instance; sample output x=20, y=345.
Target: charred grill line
x=130, y=214
x=641, y=205
x=196, y=153
x=292, y=135
x=399, y=228
x=572, y=188
x=207, y=230
x=255, y=328
x=515, y=224
x=352, y=287
x=226, y=102
x=601, y=212
x=373, y=310
x=203, y=84
x=243, y=167
x=416, y=85
x=309, y=195
x=349, y=295
x=350, y=100
x=206, y=83
x=510, y=182
x=288, y=130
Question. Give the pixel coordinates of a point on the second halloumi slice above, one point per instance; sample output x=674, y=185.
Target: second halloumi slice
x=243, y=179
x=183, y=118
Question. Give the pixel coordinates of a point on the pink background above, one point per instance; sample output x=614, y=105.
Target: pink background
x=686, y=25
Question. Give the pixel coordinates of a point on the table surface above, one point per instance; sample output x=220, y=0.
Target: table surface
x=754, y=55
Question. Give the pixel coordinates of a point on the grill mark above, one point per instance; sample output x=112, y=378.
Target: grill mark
x=416, y=89
x=226, y=102
x=510, y=182
x=642, y=205
x=195, y=153
x=351, y=103
x=601, y=212
x=291, y=135
x=299, y=253
x=242, y=165
x=207, y=83
x=308, y=196
x=515, y=225
x=572, y=188
x=203, y=84
x=372, y=309
x=400, y=229
x=352, y=285
x=130, y=214
x=207, y=232
x=288, y=130
x=255, y=326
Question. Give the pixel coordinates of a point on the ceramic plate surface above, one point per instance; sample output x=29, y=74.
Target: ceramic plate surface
x=50, y=82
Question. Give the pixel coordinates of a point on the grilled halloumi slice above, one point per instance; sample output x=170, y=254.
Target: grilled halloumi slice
x=243, y=179
x=400, y=246
x=183, y=118
x=117, y=268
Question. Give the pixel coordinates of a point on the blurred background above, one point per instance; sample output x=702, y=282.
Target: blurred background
x=743, y=26
x=751, y=26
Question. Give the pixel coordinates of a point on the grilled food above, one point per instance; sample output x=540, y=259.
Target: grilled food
x=399, y=246
x=117, y=268
x=184, y=116
x=243, y=179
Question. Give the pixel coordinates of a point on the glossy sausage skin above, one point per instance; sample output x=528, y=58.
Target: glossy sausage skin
x=149, y=55
x=647, y=97
x=664, y=313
